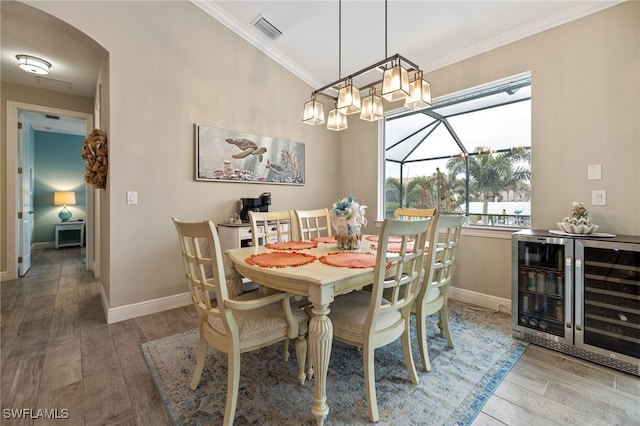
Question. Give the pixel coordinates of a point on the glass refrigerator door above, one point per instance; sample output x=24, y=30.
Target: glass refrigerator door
x=544, y=287
x=608, y=298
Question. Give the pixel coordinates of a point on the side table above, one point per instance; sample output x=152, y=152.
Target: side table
x=77, y=228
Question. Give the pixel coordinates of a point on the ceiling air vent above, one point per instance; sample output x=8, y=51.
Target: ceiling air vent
x=266, y=28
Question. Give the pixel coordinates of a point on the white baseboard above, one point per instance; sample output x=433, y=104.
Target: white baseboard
x=3, y=276
x=147, y=307
x=480, y=299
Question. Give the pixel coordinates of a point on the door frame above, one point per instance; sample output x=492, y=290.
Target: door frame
x=11, y=161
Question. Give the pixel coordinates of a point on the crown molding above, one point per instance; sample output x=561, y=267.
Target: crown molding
x=240, y=29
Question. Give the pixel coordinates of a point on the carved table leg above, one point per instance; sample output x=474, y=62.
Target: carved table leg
x=320, y=340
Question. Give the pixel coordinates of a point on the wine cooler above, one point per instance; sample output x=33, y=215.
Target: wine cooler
x=578, y=295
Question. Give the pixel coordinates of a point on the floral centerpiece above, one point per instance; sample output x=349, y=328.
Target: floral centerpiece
x=347, y=219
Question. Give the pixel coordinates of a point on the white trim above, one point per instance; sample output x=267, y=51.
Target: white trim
x=240, y=29
x=147, y=307
x=43, y=245
x=486, y=232
x=482, y=300
x=3, y=276
x=11, y=160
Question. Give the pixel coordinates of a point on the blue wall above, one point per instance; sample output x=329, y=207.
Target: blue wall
x=58, y=166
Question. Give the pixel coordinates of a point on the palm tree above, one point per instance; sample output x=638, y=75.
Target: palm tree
x=492, y=174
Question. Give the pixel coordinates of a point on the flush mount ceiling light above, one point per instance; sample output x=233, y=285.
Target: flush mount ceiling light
x=33, y=65
x=389, y=77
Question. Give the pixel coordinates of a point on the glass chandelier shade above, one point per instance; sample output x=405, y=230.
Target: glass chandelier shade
x=419, y=93
x=336, y=121
x=313, y=112
x=349, y=99
x=372, y=108
x=33, y=65
x=395, y=83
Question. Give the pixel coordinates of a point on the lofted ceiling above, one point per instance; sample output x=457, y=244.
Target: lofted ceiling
x=430, y=33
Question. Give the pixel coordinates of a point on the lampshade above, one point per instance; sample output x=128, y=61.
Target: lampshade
x=395, y=83
x=33, y=65
x=349, y=99
x=336, y=120
x=64, y=198
x=419, y=93
x=313, y=112
x=372, y=108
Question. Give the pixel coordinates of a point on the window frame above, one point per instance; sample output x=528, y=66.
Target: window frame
x=512, y=83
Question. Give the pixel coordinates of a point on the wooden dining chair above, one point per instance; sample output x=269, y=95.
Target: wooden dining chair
x=367, y=320
x=313, y=223
x=413, y=214
x=271, y=227
x=444, y=238
x=233, y=326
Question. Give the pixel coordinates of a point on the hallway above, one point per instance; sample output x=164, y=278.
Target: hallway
x=59, y=353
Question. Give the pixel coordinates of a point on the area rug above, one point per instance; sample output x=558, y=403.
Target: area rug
x=460, y=381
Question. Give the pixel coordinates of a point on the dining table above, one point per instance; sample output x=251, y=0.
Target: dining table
x=316, y=269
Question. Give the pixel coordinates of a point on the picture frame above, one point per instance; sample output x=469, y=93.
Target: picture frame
x=225, y=155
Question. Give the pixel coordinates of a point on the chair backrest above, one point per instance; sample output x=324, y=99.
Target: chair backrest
x=271, y=227
x=413, y=214
x=313, y=223
x=399, y=263
x=204, y=269
x=444, y=239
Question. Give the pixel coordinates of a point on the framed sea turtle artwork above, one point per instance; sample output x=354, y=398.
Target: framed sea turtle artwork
x=224, y=155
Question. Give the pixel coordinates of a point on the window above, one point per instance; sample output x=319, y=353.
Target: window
x=478, y=142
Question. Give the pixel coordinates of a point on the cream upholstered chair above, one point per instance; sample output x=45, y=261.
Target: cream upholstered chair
x=367, y=320
x=270, y=227
x=413, y=214
x=444, y=238
x=313, y=223
x=233, y=326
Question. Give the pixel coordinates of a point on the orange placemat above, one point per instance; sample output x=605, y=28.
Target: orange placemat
x=329, y=239
x=280, y=259
x=349, y=260
x=292, y=245
x=392, y=239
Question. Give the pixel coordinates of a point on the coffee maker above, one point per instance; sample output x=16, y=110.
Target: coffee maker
x=260, y=204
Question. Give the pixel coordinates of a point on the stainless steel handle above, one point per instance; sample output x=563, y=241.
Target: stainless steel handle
x=568, y=308
x=579, y=297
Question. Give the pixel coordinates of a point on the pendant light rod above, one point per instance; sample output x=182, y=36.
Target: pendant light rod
x=396, y=57
x=339, y=39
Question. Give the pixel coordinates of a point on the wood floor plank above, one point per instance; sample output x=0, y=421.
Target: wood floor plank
x=68, y=403
x=546, y=407
x=20, y=381
x=62, y=363
x=512, y=414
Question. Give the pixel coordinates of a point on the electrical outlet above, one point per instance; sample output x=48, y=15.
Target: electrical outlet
x=599, y=198
x=132, y=197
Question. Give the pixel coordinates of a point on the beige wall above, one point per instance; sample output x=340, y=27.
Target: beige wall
x=163, y=78
x=586, y=110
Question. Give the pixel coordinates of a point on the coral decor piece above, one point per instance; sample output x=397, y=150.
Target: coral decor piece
x=94, y=153
x=578, y=221
x=347, y=219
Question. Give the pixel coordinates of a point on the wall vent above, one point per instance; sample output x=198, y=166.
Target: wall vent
x=266, y=28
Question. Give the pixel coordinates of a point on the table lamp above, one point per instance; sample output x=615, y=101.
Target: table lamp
x=62, y=199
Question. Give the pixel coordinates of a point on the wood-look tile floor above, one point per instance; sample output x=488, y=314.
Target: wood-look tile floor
x=57, y=352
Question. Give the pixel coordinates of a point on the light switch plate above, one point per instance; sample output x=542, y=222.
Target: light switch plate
x=132, y=197
x=594, y=172
x=599, y=198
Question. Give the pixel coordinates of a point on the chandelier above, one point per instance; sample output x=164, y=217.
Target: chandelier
x=394, y=78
